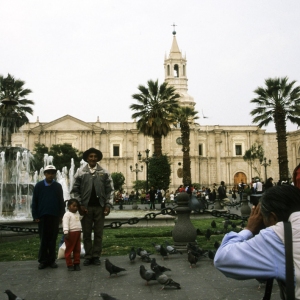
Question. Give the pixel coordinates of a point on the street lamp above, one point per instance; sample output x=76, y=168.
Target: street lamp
x=136, y=170
x=146, y=160
x=265, y=164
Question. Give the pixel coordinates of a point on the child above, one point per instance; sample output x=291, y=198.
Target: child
x=72, y=232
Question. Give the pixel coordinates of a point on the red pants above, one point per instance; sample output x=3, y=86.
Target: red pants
x=73, y=245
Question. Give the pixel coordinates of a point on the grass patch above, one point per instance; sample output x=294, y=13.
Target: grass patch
x=119, y=241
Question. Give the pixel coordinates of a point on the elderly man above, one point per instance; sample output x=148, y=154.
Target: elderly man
x=93, y=188
x=260, y=253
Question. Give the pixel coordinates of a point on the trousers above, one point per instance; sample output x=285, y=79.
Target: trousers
x=73, y=245
x=94, y=219
x=48, y=232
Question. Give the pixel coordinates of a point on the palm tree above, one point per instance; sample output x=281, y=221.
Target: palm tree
x=279, y=101
x=13, y=107
x=155, y=110
x=185, y=116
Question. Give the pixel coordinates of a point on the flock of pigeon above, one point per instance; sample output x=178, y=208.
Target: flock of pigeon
x=156, y=272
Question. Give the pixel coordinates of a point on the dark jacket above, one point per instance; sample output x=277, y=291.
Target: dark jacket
x=102, y=182
x=47, y=200
x=222, y=192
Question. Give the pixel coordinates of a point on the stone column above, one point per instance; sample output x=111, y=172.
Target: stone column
x=184, y=231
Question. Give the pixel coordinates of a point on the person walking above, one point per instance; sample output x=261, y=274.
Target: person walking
x=224, y=201
x=48, y=208
x=72, y=233
x=152, y=194
x=257, y=186
x=93, y=188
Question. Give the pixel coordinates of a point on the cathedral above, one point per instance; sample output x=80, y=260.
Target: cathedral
x=216, y=151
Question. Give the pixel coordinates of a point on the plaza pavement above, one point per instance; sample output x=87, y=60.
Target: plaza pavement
x=200, y=282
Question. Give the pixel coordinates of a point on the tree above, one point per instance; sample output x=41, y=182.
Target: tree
x=278, y=102
x=14, y=107
x=253, y=156
x=62, y=154
x=118, y=180
x=139, y=185
x=185, y=116
x=155, y=110
x=159, y=172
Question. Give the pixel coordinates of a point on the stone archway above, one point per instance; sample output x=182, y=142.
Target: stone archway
x=238, y=177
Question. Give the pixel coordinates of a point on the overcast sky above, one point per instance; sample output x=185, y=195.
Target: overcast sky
x=86, y=58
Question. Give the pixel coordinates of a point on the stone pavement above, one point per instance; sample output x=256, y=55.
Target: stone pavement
x=201, y=282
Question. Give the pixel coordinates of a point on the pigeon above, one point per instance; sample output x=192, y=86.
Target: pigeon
x=156, y=246
x=161, y=268
x=216, y=245
x=112, y=269
x=213, y=224
x=195, y=250
x=144, y=254
x=171, y=250
x=163, y=252
x=192, y=259
x=107, y=297
x=147, y=274
x=12, y=296
x=141, y=252
x=226, y=223
x=164, y=280
x=211, y=254
x=132, y=254
x=208, y=234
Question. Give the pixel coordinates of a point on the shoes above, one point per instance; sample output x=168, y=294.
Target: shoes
x=77, y=267
x=42, y=266
x=53, y=265
x=71, y=268
x=87, y=262
x=96, y=261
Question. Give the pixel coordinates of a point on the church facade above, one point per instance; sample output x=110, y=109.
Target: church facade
x=216, y=151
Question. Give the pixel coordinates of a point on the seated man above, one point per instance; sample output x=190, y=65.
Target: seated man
x=260, y=253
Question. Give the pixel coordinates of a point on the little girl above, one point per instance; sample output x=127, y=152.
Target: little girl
x=72, y=232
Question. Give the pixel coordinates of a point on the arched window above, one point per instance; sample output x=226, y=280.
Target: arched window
x=183, y=70
x=176, y=71
x=168, y=70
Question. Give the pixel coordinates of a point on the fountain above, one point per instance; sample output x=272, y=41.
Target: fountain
x=16, y=182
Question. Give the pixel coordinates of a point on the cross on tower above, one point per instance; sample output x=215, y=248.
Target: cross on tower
x=174, y=32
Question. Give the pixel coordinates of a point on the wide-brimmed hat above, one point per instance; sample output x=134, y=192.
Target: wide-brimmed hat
x=50, y=168
x=92, y=150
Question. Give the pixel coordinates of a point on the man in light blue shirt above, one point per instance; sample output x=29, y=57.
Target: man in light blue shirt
x=260, y=253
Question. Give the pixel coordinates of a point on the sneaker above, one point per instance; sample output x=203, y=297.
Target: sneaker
x=71, y=268
x=87, y=262
x=77, y=267
x=96, y=261
x=42, y=266
x=53, y=265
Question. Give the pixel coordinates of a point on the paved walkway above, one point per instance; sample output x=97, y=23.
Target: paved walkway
x=201, y=282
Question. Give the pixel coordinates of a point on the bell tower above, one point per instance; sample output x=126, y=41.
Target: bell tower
x=175, y=73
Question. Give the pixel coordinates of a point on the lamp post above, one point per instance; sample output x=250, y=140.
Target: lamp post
x=146, y=160
x=265, y=164
x=136, y=170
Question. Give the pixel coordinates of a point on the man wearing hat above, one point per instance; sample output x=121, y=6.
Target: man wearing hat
x=48, y=208
x=94, y=190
